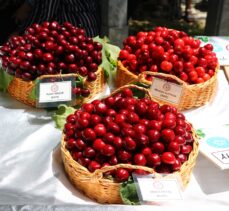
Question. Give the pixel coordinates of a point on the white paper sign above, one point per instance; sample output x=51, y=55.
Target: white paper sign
x=215, y=145
x=158, y=189
x=55, y=92
x=166, y=91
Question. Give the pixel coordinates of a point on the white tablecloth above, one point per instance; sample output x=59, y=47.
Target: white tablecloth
x=31, y=171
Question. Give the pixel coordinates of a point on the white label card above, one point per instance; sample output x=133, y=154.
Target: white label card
x=166, y=91
x=158, y=189
x=55, y=92
x=215, y=145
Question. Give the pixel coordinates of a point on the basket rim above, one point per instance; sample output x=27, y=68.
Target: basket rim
x=200, y=85
x=55, y=76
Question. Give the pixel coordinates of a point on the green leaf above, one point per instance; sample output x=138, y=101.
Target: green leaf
x=79, y=81
x=33, y=94
x=200, y=133
x=109, y=58
x=61, y=114
x=203, y=38
x=128, y=193
x=5, y=79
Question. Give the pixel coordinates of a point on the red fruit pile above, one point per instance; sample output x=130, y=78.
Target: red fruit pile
x=169, y=51
x=123, y=129
x=51, y=48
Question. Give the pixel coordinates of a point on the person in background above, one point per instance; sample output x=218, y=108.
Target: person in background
x=7, y=23
x=81, y=13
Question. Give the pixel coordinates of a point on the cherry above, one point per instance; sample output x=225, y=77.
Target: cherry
x=98, y=144
x=153, y=160
x=177, y=165
x=93, y=165
x=118, y=142
x=158, y=147
x=89, y=152
x=168, y=158
x=174, y=147
x=166, y=66
x=121, y=175
x=100, y=130
x=153, y=135
x=139, y=159
x=124, y=156
x=47, y=57
x=108, y=150
x=100, y=108
x=89, y=134
x=80, y=144
x=167, y=135
x=129, y=143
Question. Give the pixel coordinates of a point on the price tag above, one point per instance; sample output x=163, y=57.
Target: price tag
x=55, y=92
x=166, y=91
x=215, y=145
x=152, y=189
x=52, y=92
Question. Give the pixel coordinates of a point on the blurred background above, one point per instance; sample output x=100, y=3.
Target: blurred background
x=120, y=18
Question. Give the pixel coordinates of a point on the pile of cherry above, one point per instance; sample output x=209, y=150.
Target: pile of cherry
x=124, y=129
x=51, y=48
x=169, y=51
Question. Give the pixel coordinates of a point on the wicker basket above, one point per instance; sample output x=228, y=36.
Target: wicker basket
x=103, y=190
x=21, y=89
x=194, y=95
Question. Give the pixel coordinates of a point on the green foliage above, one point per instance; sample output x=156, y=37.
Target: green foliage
x=5, y=79
x=128, y=193
x=200, y=133
x=109, y=57
x=61, y=114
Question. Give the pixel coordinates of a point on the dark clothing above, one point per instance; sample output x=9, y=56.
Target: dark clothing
x=7, y=23
x=81, y=13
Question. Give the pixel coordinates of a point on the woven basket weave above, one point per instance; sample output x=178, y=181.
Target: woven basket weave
x=21, y=89
x=103, y=190
x=194, y=95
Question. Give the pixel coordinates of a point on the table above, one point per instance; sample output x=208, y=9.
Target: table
x=32, y=175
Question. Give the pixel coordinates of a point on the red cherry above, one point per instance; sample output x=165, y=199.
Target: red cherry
x=167, y=135
x=129, y=143
x=140, y=128
x=89, y=152
x=177, y=165
x=47, y=57
x=108, y=150
x=93, y=165
x=158, y=147
x=146, y=151
x=121, y=175
x=98, y=144
x=89, y=134
x=153, y=160
x=124, y=156
x=186, y=149
x=168, y=158
x=174, y=147
x=166, y=66
x=118, y=142
x=100, y=108
x=140, y=159
x=153, y=135
x=100, y=130
x=80, y=144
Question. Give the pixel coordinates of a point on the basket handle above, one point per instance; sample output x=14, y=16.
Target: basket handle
x=98, y=174
x=132, y=86
x=141, y=77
